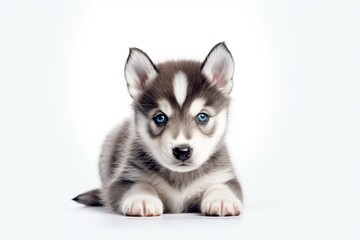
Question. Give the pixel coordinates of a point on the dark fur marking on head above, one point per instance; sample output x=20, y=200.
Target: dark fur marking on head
x=162, y=87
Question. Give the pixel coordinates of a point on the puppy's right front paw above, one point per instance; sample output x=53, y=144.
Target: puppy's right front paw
x=142, y=205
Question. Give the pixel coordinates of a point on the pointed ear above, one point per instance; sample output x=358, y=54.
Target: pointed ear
x=139, y=71
x=218, y=67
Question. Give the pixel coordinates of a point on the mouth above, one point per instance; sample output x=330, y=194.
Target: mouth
x=178, y=166
x=182, y=164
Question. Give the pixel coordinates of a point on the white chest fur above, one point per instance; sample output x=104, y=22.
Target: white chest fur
x=175, y=199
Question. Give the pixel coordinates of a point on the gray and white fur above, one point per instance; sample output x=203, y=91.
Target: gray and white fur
x=170, y=157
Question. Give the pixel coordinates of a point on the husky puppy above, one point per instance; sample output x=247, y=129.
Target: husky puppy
x=170, y=157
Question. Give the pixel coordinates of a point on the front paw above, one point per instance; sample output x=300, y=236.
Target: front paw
x=221, y=206
x=142, y=205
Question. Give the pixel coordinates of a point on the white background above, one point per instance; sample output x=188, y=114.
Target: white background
x=294, y=130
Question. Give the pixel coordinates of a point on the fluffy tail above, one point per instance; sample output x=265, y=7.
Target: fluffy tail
x=90, y=198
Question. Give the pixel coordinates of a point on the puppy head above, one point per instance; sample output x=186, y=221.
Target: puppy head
x=181, y=106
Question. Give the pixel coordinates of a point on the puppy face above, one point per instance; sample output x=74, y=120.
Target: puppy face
x=181, y=107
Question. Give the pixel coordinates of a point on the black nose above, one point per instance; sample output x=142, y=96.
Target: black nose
x=182, y=153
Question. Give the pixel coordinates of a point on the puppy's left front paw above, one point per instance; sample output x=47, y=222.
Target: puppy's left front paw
x=217, y=206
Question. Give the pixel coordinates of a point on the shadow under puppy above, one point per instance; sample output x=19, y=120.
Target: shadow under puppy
x=170, y=157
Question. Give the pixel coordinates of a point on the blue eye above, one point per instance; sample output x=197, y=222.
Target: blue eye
x=160, y=119
x=202, y=118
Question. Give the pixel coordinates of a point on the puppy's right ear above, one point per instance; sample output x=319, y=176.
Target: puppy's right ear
x=139, y=71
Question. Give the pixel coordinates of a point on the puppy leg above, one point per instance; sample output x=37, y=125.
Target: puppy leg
x=135, y=199
x=141, y=200
x=220, y=200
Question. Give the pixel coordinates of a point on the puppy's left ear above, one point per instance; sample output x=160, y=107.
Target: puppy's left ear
x=218, y=67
